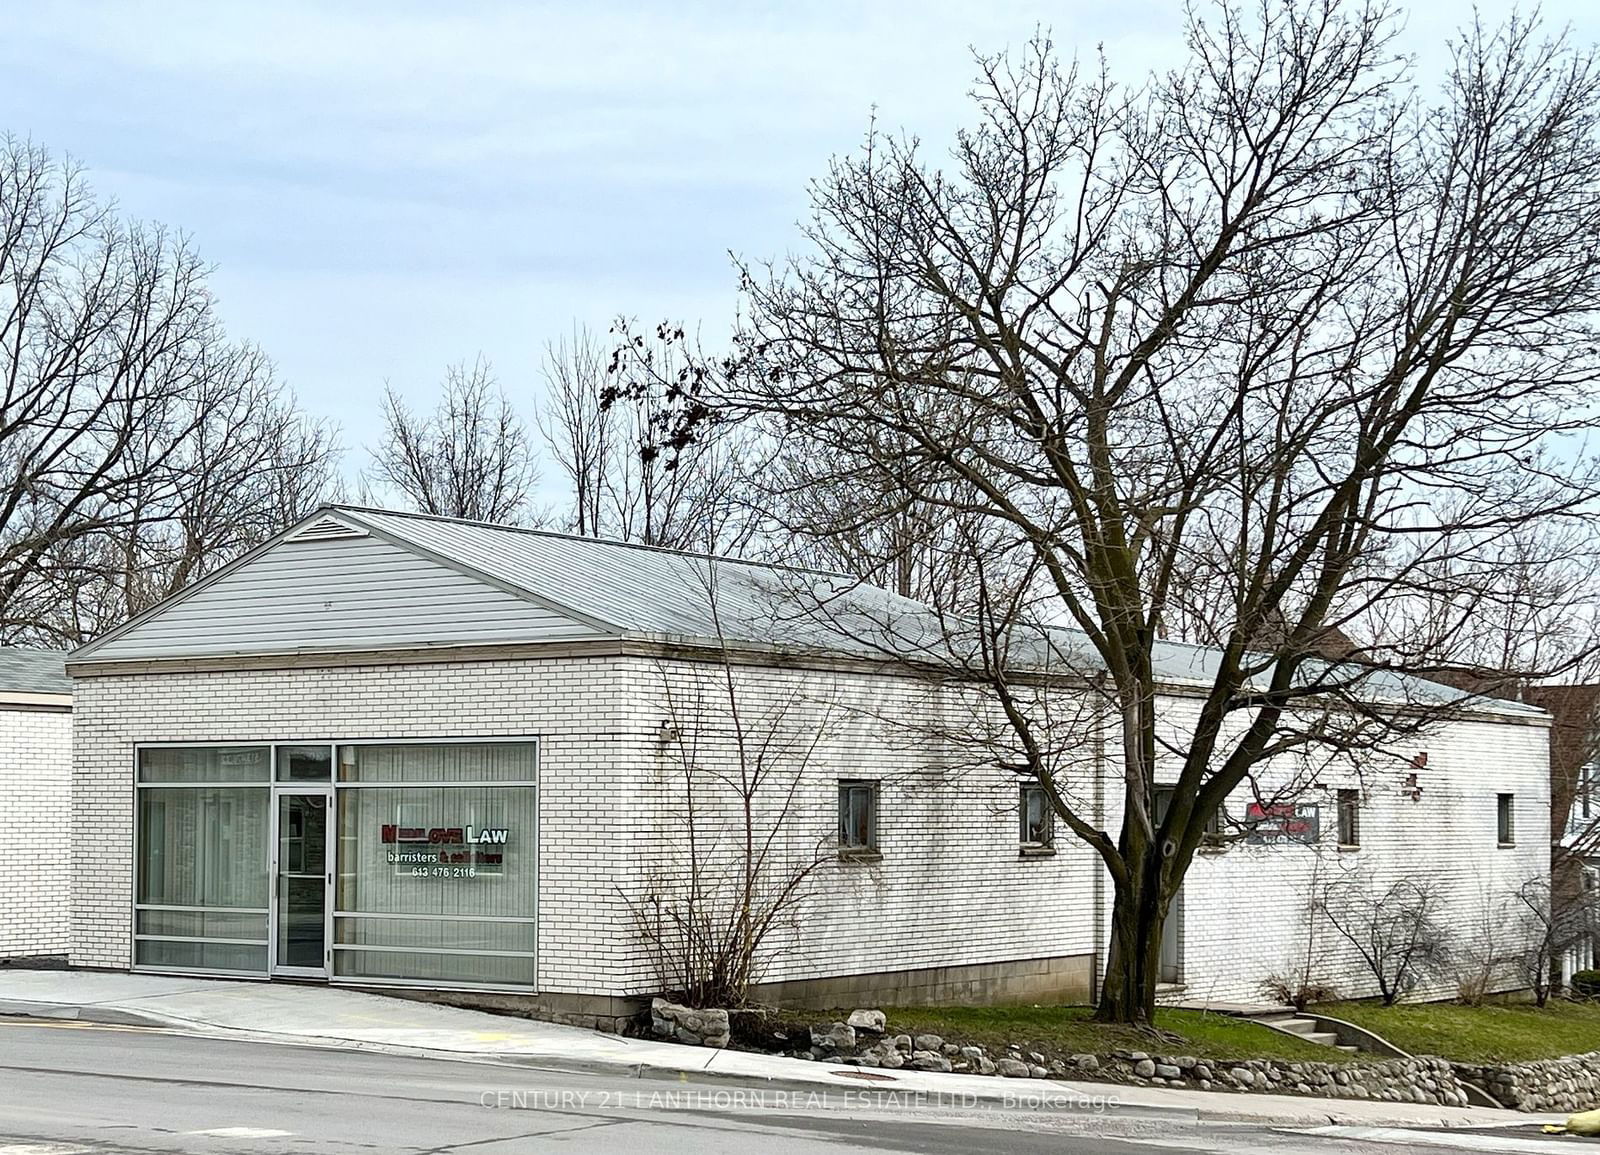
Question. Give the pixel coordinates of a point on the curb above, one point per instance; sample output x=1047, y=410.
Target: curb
x=1027, y=1089
x=110, y=1016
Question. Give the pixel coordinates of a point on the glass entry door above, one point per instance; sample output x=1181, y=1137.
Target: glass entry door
x=303, y=881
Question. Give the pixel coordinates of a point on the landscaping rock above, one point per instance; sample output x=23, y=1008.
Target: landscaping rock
x=1035, y=1071
x=697, y=1027
x=903, y=1044
x=1144, y=1068
x=873, y=1021
x=927, y=1043
x=1009, y=1068
x=1086, y=1062
x=976, y=1061
x=925, y=1060
x=840, y=1037
x=1167, y=1070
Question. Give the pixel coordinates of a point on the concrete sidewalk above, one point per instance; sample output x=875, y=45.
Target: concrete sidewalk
x=332, y=1017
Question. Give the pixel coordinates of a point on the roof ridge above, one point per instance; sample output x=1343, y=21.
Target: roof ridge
x=703, y=555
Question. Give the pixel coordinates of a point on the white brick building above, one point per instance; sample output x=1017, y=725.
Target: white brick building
x=35, y=801
x=390, y=749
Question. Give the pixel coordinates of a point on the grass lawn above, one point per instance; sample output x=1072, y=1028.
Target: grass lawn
x=1061, y=1031
x=1495, y=1032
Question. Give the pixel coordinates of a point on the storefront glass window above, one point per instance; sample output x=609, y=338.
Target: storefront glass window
x=304, y=763
x=437, y=882
x=434, y=871
x=205, y=764
x=442, y=763
x=202, y=879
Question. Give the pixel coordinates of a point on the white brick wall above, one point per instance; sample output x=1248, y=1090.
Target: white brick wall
x=35, y=804
x=951, y=888
x=574, y=706
x=1246, y=909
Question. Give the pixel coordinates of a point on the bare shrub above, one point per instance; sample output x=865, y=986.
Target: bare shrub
x=1297, y=991
x=1397, y=932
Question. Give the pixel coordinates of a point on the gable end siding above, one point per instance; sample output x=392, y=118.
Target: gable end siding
x=340, y=594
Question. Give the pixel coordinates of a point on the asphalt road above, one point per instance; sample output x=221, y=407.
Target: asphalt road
x=74, y=1089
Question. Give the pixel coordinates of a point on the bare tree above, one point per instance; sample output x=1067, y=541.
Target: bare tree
x=471, y=457
x=251, y=467
x=1396, y=932
x=737, y=852
x=618, y=424
x=138, y=445
x=1552, y=921
x=829, y=510
x=1270, y=343
x=579, y=430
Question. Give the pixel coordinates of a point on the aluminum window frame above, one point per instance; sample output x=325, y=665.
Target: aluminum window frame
x=333, y=785
x=1347, y=800
x=1048, y=811
x=335, y=913
x=872, y=790
x=137, y=868
x=1505, y=819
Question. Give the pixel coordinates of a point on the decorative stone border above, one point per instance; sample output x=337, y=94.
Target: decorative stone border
x=1567, y=1084
x=1408, y=1080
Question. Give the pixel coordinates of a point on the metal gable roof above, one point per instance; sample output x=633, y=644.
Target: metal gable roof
x=607, y=588
x=31, y=671
x=645, y=591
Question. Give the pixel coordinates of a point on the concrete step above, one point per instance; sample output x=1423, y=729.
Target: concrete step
x=1297, y=1025
x=1305, y=1028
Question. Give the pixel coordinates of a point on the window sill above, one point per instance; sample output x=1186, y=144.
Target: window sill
x=1036, y=852
x=1211, y=848
x=861, y=856
x=1349, y=847
x=1506, y=846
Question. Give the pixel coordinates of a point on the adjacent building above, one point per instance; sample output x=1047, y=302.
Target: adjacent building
x=395, y=750
x=1575, y=817
x=35, y=801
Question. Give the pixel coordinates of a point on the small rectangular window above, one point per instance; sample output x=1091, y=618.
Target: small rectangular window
x=1506, y=820
x=1038, y=819
x=858, y=818
x=1350, y=818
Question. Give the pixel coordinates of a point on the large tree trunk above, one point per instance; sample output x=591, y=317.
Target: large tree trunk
x=1133, y=963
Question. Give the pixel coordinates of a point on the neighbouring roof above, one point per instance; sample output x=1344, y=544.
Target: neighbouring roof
x=25, y=670
x=614, y=589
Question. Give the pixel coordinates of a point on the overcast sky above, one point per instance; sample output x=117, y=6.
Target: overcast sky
x=387, y=187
